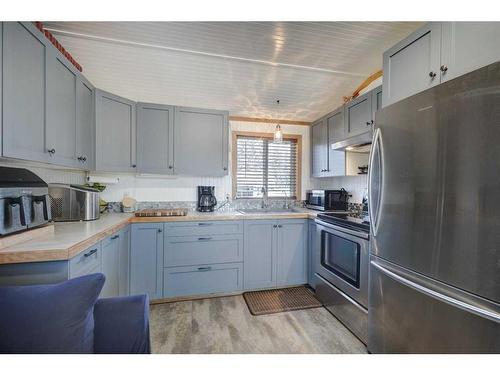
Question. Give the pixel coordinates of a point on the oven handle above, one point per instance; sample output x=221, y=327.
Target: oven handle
x=375, y=216
x=355, y=233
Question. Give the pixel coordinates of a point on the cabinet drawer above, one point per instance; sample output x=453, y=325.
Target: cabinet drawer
x=202, y=228
x=193, y=250
x=88, y=261
x=203, y=279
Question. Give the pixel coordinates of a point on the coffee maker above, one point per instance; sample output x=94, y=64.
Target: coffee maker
x=206, y=198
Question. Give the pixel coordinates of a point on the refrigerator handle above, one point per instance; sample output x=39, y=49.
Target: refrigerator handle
x=477, y=310
x=376, y=150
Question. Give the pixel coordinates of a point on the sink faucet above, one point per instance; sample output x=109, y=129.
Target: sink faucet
x=264, y=202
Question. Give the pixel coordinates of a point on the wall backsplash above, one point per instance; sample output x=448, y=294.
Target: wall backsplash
x=355, y=185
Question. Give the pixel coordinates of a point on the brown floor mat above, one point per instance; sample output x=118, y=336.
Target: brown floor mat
x=280, y=300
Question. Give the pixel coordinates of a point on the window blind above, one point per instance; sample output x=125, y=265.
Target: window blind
x=263, y=163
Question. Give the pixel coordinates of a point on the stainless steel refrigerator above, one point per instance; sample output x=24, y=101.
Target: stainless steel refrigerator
x=434, y=187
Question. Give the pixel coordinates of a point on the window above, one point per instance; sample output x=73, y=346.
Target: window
x=259, y=162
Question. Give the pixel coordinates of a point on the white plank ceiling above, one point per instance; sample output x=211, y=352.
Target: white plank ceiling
x=242, y=67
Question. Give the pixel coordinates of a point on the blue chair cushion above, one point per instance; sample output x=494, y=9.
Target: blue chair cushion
x=57, y=318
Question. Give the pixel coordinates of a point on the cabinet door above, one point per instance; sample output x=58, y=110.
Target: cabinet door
x=61, y=110
x=155, y=138
x=84, y=124
x=24, y=61
x=319, y=148
x=336, y=159
x=201, y=142
x=259, y=254
x=115, y=133
x=110, y=265
x=311, y=251
x=467, y=46
x=146, y=260
x=124, y=262
x=376, y=100
x=358, y=115
x=292, y=252
x=412, y=65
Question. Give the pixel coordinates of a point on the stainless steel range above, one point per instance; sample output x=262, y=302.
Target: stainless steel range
x=341, y=267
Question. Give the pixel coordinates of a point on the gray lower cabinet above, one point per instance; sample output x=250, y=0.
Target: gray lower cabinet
x=358, y=115
x=201, y=142
x=291, y=268
x=110, y=265
x=87, y=262
x=146, y=260
x=115, y=124
x=275, y=253
x=155, y=138
x=116, y=263
x=202, y=258
x=124, y=262
x=260, y=254
x=24, y=92
x=203, y=279
x=319, y=148
x=311, y=253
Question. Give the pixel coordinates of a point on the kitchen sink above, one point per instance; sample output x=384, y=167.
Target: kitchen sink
x=267, y=211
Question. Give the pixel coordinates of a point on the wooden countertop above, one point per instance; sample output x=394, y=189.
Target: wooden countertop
x=69, y=239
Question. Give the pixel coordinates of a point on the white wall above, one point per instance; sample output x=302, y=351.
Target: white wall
x=179, y=188
x=48, y=174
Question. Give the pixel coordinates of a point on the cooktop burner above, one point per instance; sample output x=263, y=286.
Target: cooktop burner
x=346, y=221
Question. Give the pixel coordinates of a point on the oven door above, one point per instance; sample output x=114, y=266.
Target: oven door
x=342, y=259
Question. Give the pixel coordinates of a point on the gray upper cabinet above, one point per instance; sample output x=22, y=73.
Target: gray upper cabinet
x=435, y=53
x=61, y=110
x=358, y=115
x=413, y=64
x=115, y=133
x=467, y=46
x=376, y=100
x=85, y=139
x=319, y=148
x=336, y=159
x=201, y=142
x=155, y=138
x=24, y=92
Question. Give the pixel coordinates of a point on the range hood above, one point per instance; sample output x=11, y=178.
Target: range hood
x=358, y=143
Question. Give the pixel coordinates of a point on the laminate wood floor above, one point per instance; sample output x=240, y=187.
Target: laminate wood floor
x=224, y=325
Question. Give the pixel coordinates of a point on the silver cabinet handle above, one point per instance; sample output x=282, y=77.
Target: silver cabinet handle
x=477, y=310
x=204, y=224
x=93, y=251
x=280, y=226
x=51, y=151
x=115, y=237
x=432, y=74
x=205, y=268
x=204, y=238
x=443, y=68
x=160, y=230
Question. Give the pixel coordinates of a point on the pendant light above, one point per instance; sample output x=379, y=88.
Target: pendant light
x=278, y=134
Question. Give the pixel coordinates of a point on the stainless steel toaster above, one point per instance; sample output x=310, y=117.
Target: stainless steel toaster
x=74, y=202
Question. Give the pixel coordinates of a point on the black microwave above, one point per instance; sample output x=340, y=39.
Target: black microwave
x=327, y=200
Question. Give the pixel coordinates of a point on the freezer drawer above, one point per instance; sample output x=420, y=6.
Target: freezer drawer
x=410, y=313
